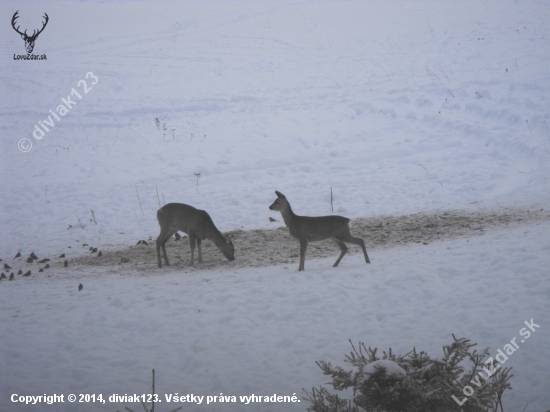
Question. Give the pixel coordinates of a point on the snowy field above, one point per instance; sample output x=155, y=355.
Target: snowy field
x=414, y=108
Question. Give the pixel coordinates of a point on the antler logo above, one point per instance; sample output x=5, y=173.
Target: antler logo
x=29, y=40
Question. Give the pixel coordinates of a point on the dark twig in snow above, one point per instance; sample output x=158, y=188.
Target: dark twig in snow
x=139, y=202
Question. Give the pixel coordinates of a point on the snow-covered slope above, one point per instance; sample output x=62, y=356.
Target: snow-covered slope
x=396, y=108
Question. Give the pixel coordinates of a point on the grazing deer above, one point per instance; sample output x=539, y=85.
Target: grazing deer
x=310, y=229
x=196, y=223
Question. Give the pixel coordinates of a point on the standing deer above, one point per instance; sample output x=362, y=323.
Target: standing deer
x=29, y=40
x=196, y=223
x=311, y=229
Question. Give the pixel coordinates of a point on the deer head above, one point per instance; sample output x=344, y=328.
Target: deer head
x=29, y=40
x=228, y=249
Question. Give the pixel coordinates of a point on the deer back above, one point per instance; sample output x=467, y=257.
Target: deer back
x=319, y=227
x=189, y=220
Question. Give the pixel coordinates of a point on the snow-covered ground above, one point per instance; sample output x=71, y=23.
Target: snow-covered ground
x=414, y=106
x=251, y=331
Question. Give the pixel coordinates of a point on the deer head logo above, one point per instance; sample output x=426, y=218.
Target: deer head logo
x=29, y=40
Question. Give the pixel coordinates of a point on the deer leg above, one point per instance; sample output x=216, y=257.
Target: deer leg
x=357, y=241
x=199, y=245
x=192, y=239
x=343, y=249
x=159, y=262
x=303, y=250
x=166, y=262
x=161, y=244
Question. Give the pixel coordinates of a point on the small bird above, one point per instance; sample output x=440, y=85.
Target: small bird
x=20, y=272
x=12, y=276
x=6, y=266
x=27, y=273
x=100, y=253
x=47, y=266
x=34, y=257
x=94, y=250
x=62, y=255
x=41, y=270
x=80, y=287
x=272, y=220
x=44, y=260
x=66, y=263
x=3, y=276
x=30, y=260
x=143, y=242
x=18, y=255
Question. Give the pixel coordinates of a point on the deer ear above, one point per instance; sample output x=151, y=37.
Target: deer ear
x=279, y=194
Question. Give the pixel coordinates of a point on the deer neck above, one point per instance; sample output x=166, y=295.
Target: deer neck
x=216, y=236
x=288, y=216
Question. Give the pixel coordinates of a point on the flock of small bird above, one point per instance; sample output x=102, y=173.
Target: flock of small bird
x=93, y=250
x=32, y=258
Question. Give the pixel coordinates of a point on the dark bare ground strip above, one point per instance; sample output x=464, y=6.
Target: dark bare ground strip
x=268, y=247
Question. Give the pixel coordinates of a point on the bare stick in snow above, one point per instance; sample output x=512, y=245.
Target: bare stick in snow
x=153, y=393
x=158, y=198
x=139, y=202
x=197, y=175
